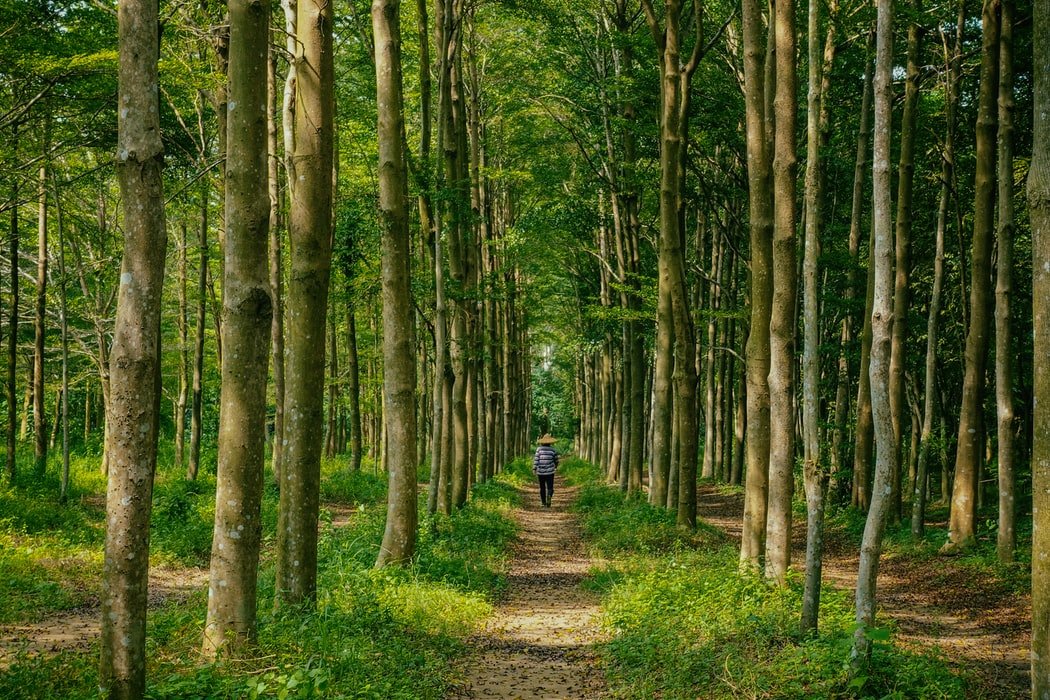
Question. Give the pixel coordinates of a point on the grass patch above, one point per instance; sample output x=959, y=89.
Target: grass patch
x=392, y=633
x=684, y=622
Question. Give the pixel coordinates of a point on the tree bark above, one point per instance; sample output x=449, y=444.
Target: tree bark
x=1004, y=354
x=760, y=190
x=247, y=327
x=962, y=522
x=353, y=387
x=1039, y=211
x=838, y=438
x=882, y=329
x=64, y=320
x=184, y=364
x=276, y=261
x=197, y=406
x=11, y=463
x=40, y=428
x=399, y=374
x=813, y=474
x=782, y=319
x=310, y=233
x=135, y=371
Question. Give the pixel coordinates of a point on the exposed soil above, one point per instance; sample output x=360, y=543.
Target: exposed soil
x=981, y=626
x=539, y=643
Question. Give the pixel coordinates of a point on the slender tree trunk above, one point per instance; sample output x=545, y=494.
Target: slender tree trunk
x=399, y=374
x=247, y=327
x=918, y=519
x=760, y=189
x=11, y=464
x=962, y=523
x=331, y=440
x=64, y=319
x=135, y=372
x=276, y=261
x=782, y=321
x=353, y=387
x=1004, y=353
x=905, y=179
x=196, y=409
x=813, y=474
x=184, y=363
x=40, y=428
x=882, y=330
x=864, y=446
x=1039, y=211
x=310, y=233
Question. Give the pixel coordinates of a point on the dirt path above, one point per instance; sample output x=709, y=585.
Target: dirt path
x=538, y=644
x=76, y=629
x=982, y=627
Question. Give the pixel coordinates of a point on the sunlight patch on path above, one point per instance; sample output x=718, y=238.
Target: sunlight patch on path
x=539, y=643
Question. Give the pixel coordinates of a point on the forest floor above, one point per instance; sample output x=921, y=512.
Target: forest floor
x=539, y=644
x=78, y=628
x=981, y=626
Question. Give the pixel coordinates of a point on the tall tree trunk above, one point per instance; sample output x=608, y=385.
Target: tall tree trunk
x=247, y=327
x=11, y=464
x=1004, y=357
x=760, y=190
x=310, y=233
x=197, y=407
x=64, y=320
x=782, y=321
x=968, y=456
x=331, y=440
x=276, y=261
x=1039, y=211
x=184, y=361
x=39, y=333
x=838, y=438
x=399, y=375
x=882, y=330
x=919, y=490
x=864, y=446
x=905, y=178
x=813, y=474
x=135, y=371
x=353, y=388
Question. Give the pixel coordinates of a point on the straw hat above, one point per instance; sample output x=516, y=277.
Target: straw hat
x=546, y=440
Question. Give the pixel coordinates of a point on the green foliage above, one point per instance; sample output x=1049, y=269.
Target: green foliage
x=616, y=525
x=684, y=622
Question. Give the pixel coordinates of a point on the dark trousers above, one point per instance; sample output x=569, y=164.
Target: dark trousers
x=546, y=487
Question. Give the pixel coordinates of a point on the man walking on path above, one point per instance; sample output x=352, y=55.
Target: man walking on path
x=544, y=464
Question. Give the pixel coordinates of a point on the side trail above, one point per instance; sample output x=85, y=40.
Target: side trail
x=539, y=643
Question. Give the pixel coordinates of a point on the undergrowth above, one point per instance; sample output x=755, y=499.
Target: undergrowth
x=390, y=633
x=684, y=622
